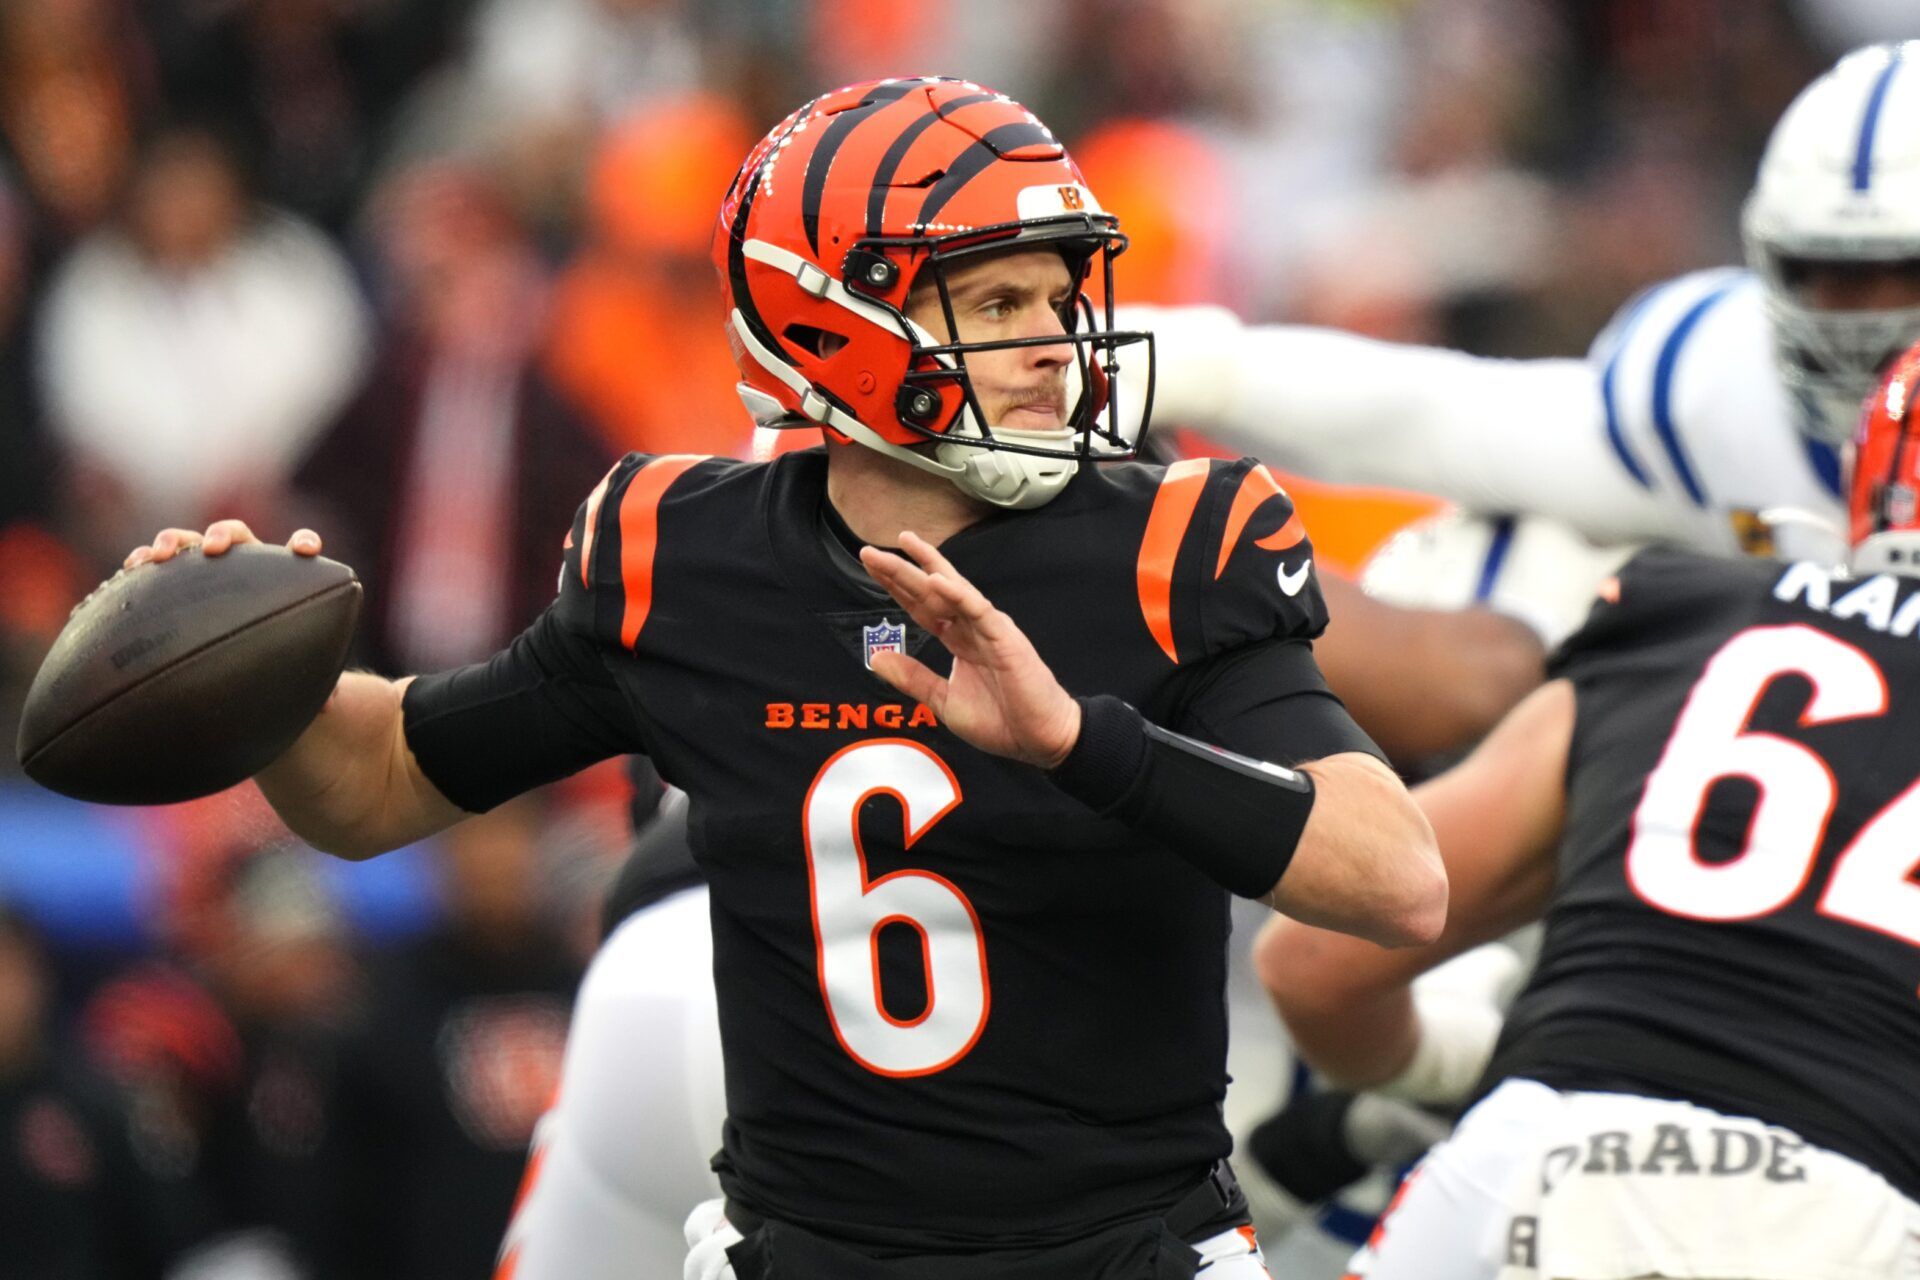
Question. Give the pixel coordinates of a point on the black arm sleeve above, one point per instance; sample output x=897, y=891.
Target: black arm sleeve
x=1236, y=817
x=540, y=709
x=1268, y=701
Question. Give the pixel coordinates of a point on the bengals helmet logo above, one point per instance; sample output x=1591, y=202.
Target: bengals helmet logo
x=1070, y=197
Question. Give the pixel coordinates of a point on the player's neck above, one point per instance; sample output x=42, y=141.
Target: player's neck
x=878, y=497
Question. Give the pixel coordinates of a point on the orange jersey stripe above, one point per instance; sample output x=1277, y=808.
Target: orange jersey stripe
x=535, y=1162
x=639, y=533
x=1173, y=508
x=1287, y=535
x=1255, y=488
x=593, y=518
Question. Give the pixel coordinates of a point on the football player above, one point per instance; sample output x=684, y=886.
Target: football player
x=1713, y=806
x=968, y=929
x=643, y=1057
x=1707, y=414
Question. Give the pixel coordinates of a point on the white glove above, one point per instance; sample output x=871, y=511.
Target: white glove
x=1459, y=1006
x=709, y=1236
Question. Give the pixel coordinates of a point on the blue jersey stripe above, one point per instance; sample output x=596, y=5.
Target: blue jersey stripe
x=1348, y=1226
x=1663, y=392
x=1609, y=399
x=1497, y=547
x=1826, y=464
x=1870, y=123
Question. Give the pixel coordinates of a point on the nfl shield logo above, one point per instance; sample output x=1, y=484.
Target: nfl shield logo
x=883, y=637
x=1900, y=501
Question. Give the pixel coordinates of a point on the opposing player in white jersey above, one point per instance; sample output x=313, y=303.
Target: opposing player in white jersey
x=1713, y=808
x=1711, y=406
x=622, y=1155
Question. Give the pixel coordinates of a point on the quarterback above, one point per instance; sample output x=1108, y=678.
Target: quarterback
x=968, y=928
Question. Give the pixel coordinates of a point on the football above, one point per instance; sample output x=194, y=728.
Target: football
x=178, y=679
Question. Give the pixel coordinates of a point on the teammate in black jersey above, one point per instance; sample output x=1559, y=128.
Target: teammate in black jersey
x=968, y=929
x=1715, y=806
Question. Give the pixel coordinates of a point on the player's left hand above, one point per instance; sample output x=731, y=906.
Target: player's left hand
x=1001, y=696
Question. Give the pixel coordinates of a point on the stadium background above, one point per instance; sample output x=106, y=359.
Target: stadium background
x=412, y=271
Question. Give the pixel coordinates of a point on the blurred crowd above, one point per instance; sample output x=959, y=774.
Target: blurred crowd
x=413, y=272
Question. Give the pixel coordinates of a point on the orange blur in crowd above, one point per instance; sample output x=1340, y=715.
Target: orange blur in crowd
x=637, y=341
x=1175, y=256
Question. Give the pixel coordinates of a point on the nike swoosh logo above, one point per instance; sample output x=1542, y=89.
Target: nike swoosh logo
x=1291, y=583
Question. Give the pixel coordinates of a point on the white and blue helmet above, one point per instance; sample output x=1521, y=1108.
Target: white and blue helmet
x=1840, y=183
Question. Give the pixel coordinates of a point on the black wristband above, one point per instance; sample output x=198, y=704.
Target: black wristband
x=1236, y=819
x=1108, y=758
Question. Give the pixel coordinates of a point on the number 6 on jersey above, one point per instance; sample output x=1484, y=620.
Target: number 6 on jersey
x=849, y=911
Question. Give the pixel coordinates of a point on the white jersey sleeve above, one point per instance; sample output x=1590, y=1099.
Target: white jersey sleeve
x=1496, y=436
x=1696, y=411
x=1536, y=570
x=1675, y=428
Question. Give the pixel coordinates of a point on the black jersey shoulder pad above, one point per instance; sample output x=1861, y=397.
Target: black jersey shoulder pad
x=1663, y=591
x=1224, y=560
x=607, y=572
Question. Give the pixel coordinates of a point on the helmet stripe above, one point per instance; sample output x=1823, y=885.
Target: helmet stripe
x=814, y=187
x=737, y=238
x=1870, y=123
x=1902, y=432
x=1008, y=137
x=897, y=151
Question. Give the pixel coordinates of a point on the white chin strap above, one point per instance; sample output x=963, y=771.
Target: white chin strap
x=1014, y=480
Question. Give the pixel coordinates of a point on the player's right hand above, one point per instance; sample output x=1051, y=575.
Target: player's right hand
x=220, y=535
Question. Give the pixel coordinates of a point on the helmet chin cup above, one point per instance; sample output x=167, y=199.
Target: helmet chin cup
x=1016, y=481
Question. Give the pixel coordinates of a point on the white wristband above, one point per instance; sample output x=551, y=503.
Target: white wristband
x=1456, y=1042
x=1459, y=1007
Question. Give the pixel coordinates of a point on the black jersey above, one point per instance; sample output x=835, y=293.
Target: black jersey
x=956, y=1006
x=1737, y=918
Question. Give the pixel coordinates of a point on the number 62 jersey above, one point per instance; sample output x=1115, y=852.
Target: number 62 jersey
x=1737, y=918
x=956, y=1005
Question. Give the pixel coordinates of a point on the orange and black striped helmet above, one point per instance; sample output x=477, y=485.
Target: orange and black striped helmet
x=869, y=191
x=1885, y=499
